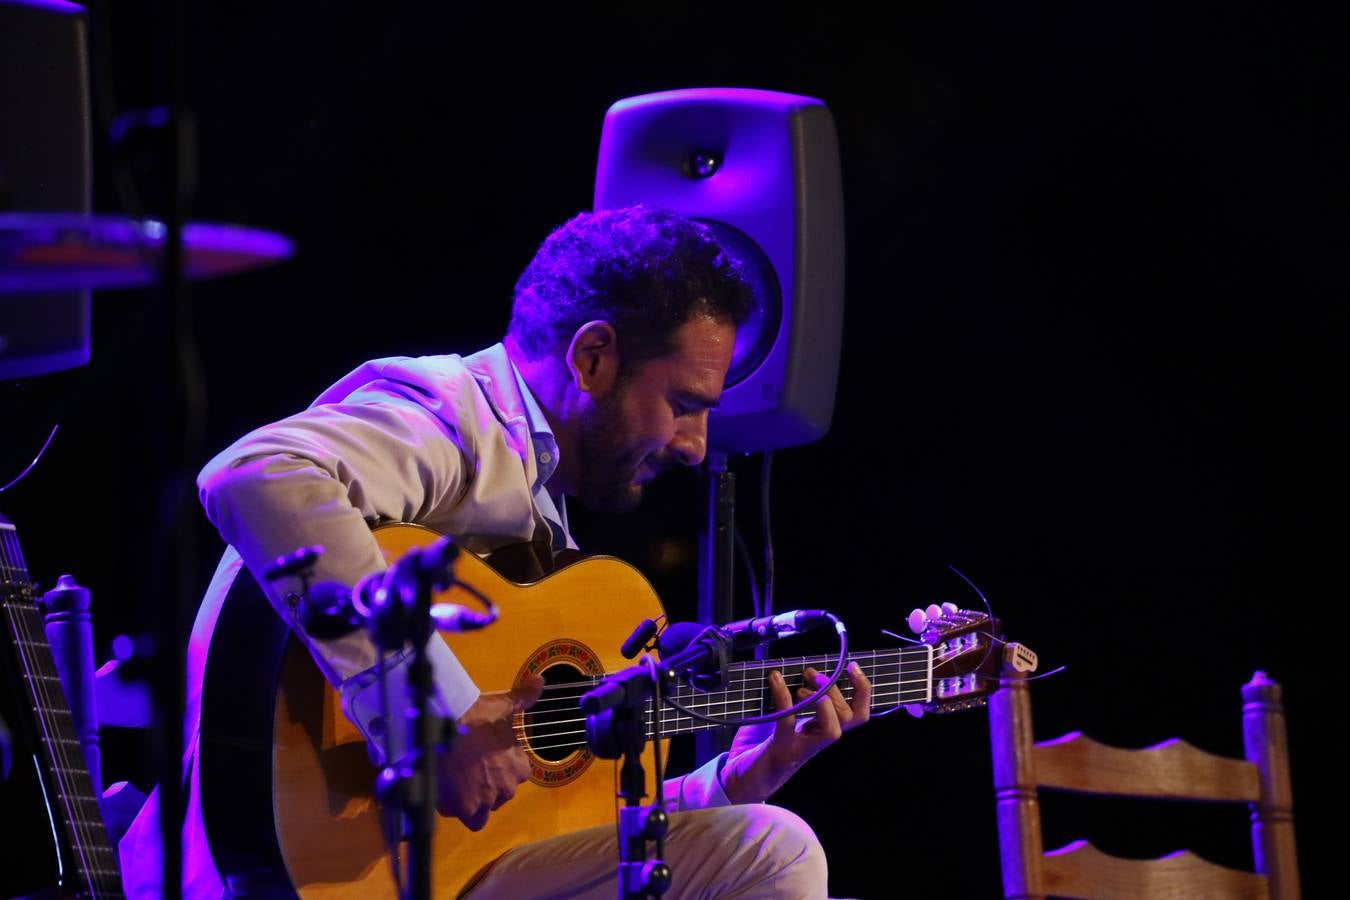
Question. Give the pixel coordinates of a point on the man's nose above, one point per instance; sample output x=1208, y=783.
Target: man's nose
x=690, y=443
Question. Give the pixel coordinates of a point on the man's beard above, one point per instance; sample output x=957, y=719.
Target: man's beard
x=607, y=475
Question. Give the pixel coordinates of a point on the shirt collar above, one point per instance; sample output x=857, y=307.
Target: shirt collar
x=545, y=445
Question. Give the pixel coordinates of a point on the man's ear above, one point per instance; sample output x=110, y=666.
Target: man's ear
x=593, y=358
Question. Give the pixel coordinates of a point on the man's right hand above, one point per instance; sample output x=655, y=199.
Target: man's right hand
x=484, y=762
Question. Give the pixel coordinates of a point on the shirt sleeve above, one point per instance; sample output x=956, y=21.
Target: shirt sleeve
x=363, y=699
x=700, y=789
x=325, y=476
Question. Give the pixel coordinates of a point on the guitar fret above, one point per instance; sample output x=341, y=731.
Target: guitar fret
x=71, y=742
x=69, y=770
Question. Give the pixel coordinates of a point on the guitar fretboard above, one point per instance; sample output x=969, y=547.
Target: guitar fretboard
x=898, y=677
x=76, y=804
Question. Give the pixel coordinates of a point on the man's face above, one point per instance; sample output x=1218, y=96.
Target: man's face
x=656, y=418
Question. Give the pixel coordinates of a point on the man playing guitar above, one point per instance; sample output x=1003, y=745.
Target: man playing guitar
x=621, y=335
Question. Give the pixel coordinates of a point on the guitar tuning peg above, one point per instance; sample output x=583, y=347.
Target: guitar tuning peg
x=950, y=608
x=935, y=612
x=917, y=621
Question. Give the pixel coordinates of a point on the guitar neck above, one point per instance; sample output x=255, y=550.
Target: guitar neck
x=73, y=806
x=898, y=677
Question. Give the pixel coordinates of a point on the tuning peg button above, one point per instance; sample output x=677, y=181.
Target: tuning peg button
x=917, y=621
x=935, y=612
x=950, y=608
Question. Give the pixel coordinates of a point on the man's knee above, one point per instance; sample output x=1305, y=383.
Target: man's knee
x=787, y=854
x=794, y=843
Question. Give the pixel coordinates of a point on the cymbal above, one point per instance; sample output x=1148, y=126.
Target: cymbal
x=44, y=252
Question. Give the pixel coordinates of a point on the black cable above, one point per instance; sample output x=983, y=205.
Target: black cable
x=743, y=550
x=766, y=525
x=840, y=665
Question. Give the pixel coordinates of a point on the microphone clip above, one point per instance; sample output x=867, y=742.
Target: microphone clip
x=394, y=605
x=698, y=655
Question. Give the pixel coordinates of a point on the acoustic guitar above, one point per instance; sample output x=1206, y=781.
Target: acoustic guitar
x=287, y=781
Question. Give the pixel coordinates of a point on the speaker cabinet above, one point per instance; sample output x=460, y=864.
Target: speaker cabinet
x=762, y=169
x=45, y=162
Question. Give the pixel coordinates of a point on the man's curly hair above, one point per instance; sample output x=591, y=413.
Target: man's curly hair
x=644, y=270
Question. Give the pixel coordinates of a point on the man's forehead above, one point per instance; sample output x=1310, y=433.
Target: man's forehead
x=705, y=344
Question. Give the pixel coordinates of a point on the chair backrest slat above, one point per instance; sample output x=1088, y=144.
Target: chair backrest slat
x=1173, y=770
x=1080, y=870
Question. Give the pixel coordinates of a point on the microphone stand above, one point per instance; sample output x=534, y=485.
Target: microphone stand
x=399, y=613
x=616, y=726
x=411, y=786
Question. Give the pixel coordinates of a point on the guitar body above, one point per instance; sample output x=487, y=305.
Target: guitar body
x=328, y=842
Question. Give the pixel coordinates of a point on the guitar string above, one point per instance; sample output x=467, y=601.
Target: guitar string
x=912, y=657
x=880, y=691
x=750, y=704
x=62, y=769
x=96, y=839
x=15, y=573
x=879, y=698
x=17, y=628
x=84, y=831
x=885, y=687
x=42, y=683
x=740, y=698
x=747, y=693
x=749, y=679
x=667, y=723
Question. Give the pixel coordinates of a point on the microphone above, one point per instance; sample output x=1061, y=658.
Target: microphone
x=332, y=610
x=748, y=633
x=697, y=654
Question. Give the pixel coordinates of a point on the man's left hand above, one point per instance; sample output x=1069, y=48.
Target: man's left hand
x=763, y=757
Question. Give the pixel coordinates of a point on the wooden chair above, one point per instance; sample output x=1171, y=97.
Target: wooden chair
x=1174, y=770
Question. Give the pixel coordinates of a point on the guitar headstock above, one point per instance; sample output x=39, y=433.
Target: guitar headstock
x=969, y=653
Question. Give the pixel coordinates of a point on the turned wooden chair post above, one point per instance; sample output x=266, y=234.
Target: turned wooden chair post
x=1267, y=748
x=1019, y=811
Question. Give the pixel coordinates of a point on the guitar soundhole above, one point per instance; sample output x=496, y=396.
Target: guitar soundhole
x=555, y=727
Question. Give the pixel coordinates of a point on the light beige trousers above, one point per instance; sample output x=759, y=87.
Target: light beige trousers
x=752, y=851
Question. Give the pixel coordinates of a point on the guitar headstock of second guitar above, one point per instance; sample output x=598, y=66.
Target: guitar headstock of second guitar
x=969, y=654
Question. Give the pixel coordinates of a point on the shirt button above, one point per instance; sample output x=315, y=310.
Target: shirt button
x=546, y=457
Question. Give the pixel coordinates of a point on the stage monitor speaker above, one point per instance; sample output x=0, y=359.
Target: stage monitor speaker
x=762, y=169
x=45, y=163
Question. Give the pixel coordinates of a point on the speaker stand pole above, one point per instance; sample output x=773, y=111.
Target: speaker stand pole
x=717, y=546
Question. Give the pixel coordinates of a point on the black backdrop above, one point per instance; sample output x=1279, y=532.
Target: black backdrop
x=1091, y=328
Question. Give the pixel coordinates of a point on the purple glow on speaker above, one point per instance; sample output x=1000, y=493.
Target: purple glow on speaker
x=57, y=6
x=746, y=96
